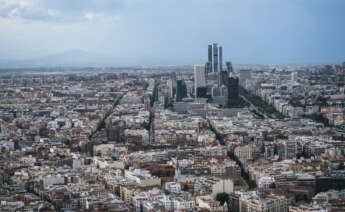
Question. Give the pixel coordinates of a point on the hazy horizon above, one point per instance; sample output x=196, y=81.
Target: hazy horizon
x=152, y=32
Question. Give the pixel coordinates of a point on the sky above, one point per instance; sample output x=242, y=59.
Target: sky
x=135, y=32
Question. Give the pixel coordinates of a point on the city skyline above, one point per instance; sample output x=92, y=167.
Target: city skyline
x=134, y=32
x=132, y=106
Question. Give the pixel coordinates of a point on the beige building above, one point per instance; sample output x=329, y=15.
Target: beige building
x=254, y=201
x=142, y=177
x=126, y=193
x=103, y=149
x=207, y=202
x=244, y=153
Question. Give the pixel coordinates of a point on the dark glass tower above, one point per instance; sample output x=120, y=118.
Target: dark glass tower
x=210, y=53
x=223, y=78
x=233, y=91
x=181, y=90
x=229, y=67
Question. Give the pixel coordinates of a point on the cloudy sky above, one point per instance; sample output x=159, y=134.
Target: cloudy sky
x=175, y=31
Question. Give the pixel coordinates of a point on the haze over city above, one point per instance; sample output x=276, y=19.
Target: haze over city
x=152, y=32
x=172, y=106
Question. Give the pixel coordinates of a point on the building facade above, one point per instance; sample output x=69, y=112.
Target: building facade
x=215, y=57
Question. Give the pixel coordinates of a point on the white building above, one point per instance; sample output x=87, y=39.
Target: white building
x=265, y=182
x=173, y=187
x=223, y=186
x=142, y=177
x=199, y=77
x=254, y=201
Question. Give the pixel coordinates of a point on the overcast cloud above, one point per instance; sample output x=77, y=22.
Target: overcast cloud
x=175, y=31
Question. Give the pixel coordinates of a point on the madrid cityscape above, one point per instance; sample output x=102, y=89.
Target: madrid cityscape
x=172, y=106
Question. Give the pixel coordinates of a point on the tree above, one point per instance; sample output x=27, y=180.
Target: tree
x=185, y=187
x=63, y=140
x=273, y=185
x=318, y=118
x=275, y=149
x=324, y=166
x=301, y=197
x=252, y=184
x=146, y=125
x=222, y=198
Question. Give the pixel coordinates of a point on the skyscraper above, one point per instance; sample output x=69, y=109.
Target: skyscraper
x=181, y=90
x=223, y=78
x=208, y=67
x=220, y=59
x=229, y=67
x=210, y=53
x=199, y=78
x=233, y=91
x=224, y=91
x=215, y=57
x=215, y=91
x=171, y=88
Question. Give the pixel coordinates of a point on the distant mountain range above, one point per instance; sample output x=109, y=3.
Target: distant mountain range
x=78, y=58
x=74, y=58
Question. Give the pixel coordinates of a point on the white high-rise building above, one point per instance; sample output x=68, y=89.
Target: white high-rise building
x=199, y=77
x=293, y=76
x=171, y=84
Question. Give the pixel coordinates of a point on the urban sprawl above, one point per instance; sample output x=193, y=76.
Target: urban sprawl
x=215, y=138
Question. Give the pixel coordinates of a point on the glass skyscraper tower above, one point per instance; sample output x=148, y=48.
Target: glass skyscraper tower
x=215, y=58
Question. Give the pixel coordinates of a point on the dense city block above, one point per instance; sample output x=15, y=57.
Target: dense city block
x=210, y=138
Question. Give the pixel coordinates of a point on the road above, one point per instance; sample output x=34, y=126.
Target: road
x=253, y=107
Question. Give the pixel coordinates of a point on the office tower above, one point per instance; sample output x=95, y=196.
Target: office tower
x=244, y=75
x=210, y=54
x=223, y=90
x=223, y=78
x=208, y=67
x=215, y=91
x=201, y=92
x=199, y=78
x=215, y=57
x=171, y=84
x=344, y=65
x=233, y=91
x=229, y=67
x=220, y=59
x=181, y=90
